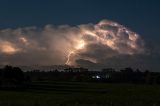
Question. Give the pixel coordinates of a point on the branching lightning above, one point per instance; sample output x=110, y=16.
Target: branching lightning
x=80, y=45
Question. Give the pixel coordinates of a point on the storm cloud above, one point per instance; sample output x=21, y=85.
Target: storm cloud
x=106, y=44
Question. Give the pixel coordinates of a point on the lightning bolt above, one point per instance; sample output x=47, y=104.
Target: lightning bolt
x=80, y=45
x=68, y=57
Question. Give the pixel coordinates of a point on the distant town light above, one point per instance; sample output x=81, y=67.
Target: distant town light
x=96, y=77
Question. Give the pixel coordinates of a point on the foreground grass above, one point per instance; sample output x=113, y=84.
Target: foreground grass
x=82, y=94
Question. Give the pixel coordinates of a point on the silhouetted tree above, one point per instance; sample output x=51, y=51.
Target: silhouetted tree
x=12, y=76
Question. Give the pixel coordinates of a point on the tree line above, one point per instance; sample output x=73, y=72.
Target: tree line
x=15, y=77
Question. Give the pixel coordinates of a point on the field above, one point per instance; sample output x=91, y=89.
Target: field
x=82, y=94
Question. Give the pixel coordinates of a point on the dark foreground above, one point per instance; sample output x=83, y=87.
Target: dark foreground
x=81, y=94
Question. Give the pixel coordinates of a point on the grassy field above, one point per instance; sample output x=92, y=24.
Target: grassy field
x=82, y=94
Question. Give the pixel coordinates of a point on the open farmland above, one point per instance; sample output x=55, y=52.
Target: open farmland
x=81, y=94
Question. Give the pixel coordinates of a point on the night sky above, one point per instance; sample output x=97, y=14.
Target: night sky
x=141, y=16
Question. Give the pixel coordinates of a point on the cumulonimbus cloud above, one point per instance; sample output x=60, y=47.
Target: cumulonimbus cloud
x=64, y=44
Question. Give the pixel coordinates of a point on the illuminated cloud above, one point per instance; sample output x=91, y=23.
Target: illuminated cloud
x=88, y=44
x=7, y=48
x=105, y=40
